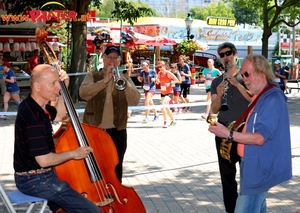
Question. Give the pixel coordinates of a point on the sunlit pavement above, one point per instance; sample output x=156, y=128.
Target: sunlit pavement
x=175, y=169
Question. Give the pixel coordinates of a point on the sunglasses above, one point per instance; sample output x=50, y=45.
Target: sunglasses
x=227, y=53
x=172, y=67
x=245, y=74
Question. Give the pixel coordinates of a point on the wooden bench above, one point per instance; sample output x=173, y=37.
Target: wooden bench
x=293, y=84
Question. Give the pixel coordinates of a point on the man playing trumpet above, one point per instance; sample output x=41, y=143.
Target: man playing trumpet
x=107, y=106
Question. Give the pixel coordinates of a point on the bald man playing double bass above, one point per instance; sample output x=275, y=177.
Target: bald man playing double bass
x=34, y=155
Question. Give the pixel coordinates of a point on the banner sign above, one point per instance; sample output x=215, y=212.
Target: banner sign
x=41, y=16
x=217, y=21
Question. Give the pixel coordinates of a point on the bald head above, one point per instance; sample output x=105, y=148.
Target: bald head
x=41, y=72
x=45, y=84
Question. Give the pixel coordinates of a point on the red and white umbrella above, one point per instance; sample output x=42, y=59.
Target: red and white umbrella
x=160, y=41
x=202, y=46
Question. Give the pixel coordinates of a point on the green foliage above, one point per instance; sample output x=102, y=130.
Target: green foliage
x=262, y=12
x=61, y=32
x=129, y=11
x=247, y=16
x=219, y=10
x=272, y=14
x=105, y=10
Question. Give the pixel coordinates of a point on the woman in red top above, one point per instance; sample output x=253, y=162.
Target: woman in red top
x=166, y=79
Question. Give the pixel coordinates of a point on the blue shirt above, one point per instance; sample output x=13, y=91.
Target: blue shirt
x=177, y=86
x=11, y=87
x=185, y=68
x=1, y=69
x=148, y=84
x=280, y=80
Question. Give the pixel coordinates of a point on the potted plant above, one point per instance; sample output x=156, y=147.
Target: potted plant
x=188, y=47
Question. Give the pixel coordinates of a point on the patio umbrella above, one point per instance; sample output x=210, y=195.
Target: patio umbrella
x=157, y=42
x=160, y=41
x=202, y=46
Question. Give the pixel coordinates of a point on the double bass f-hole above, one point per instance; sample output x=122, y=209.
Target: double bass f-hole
x=94, y=177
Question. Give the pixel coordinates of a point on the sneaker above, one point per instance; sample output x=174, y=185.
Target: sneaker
x=188, y=109
x=165, y=125
x=146, y=119
x=178, y=112
x=156, y=117
x=173, y=123
x=4, y=117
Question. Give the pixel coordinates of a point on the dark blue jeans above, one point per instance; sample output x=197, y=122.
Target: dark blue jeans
x=58, y=193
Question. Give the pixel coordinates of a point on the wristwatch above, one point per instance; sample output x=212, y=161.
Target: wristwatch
x=230, y=137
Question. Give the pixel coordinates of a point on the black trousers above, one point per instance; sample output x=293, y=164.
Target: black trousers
x=228, y=175
x=120, y=140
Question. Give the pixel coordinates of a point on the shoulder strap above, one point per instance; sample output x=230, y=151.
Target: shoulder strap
x=243, y=117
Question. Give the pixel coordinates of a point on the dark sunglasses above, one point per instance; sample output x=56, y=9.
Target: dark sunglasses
x=245, y=74
x=227, y=53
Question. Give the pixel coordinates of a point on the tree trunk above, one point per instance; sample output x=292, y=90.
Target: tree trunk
x=267, y=31
x=265, y=43
x=78, y=61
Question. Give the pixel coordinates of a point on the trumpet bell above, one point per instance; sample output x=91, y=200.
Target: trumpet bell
x=120, y=84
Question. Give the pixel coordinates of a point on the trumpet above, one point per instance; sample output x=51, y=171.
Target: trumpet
x=224, y=106
x=120, y=82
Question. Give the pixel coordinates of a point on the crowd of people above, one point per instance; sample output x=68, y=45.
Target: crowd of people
x=259, y=147
x=174, y=82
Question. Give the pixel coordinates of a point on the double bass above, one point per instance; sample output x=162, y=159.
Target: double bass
x=93, y=177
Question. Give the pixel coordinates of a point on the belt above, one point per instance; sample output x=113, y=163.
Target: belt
x=33, y=172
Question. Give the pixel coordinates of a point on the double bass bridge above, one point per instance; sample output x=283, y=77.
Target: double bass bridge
x=105, y=202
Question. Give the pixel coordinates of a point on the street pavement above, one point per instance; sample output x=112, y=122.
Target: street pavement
x=174, y=170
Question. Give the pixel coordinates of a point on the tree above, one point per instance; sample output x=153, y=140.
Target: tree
x=274, y=12
x=220, y=10
x=107, y=7
x=130, y=12
x=245, y=16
